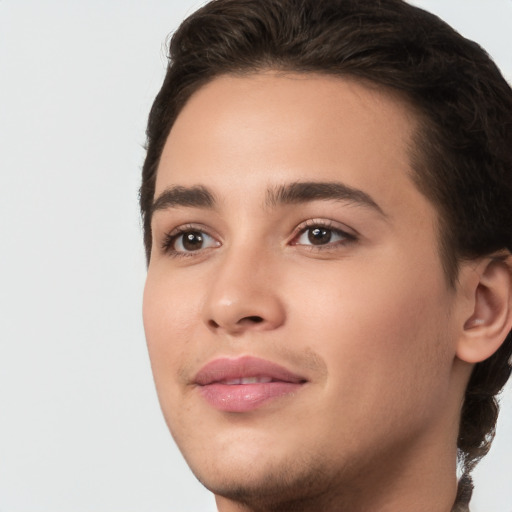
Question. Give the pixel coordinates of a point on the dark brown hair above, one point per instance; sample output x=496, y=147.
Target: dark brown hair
x=462, y=157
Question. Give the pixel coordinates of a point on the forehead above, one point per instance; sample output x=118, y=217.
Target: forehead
x=238, y=134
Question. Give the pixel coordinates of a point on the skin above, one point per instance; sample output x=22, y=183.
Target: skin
x=369, y=318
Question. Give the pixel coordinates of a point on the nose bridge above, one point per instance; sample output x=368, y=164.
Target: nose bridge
x=243, y=294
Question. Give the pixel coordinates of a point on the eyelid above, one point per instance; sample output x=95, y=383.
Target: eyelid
x=169, y=238
x=349, y=234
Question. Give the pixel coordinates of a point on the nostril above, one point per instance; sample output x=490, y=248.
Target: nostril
x=254, y=319
x=244, y=321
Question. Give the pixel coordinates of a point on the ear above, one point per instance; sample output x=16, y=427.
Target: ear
x=490, y=318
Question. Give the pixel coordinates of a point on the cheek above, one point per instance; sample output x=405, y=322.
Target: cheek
x=382, y=329
x=170, y=324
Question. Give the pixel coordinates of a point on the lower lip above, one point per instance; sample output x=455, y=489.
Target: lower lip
x=245, y=397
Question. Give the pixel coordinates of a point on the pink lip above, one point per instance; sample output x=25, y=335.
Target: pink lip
x=217, y=383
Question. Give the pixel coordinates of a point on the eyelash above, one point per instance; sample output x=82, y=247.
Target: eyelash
x=328, y=226
x=172, y=237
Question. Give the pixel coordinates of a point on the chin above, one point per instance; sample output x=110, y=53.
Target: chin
x=274, y=490
x=267, y=485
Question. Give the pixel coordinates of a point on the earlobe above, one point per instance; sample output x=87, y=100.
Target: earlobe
x=490, y=321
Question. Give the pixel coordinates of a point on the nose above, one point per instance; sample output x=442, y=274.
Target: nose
x=244, y=296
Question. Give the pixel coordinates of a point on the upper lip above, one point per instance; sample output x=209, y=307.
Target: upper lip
x=225, y=369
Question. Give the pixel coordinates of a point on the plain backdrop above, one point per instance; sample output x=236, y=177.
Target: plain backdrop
x=80, y=426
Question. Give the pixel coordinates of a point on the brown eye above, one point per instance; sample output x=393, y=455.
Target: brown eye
x=319, y=235
x=189, y=241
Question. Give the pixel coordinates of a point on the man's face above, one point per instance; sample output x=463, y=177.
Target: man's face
x=300, y=336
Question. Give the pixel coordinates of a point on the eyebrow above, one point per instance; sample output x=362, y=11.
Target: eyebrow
x=173, y=197
x=200, y=196
x=307, y=191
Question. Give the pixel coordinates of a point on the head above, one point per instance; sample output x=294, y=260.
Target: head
x=453, y=108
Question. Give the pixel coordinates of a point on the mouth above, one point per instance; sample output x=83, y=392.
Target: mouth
x=246, y=383
x=246, y=380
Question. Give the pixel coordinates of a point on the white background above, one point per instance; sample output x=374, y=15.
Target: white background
x=80, y=427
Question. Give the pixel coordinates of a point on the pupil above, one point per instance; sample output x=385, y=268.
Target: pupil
x=318, y=236
x=192, y=241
